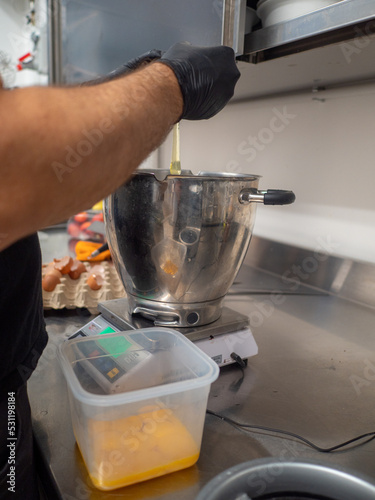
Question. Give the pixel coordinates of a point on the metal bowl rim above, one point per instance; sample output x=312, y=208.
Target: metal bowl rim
x=164, y=174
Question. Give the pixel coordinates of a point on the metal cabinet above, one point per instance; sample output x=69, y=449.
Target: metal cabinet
x=92, y=37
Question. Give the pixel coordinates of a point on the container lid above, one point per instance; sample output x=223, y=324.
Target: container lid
x=113, y=369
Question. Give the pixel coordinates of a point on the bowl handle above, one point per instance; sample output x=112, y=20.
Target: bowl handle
x=269, y=197
x=153, y=316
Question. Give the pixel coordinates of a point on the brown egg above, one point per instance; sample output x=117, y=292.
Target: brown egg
x=98, y=269
x=49, y=282
x=50, y=269
x=77, y=269
x=63, y=265
x=95, y=281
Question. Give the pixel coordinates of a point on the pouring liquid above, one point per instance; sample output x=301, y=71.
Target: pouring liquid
x=175, y=168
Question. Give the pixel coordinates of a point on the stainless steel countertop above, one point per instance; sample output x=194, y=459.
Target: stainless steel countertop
x=314, y=375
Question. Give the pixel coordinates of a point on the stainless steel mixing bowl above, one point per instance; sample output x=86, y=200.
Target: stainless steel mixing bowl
x=178, y=241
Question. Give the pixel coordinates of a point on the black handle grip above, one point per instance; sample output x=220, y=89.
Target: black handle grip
x=278, y=197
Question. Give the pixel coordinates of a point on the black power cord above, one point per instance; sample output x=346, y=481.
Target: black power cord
x=370, y=435
x=248, y=427
x=241, y=363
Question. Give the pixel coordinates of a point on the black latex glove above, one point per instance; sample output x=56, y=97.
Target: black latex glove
x=131, y=65
x=207, y=77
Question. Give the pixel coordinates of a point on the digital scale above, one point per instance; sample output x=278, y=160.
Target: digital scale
x=223, y=340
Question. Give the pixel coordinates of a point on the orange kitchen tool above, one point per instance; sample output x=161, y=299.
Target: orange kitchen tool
x=84, y=249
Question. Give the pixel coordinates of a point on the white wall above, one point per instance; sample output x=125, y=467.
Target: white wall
x=323, y=149
x=15, y=41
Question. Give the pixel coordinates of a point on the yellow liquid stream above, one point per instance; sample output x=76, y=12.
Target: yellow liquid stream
x=175, y=167
x=137, y=448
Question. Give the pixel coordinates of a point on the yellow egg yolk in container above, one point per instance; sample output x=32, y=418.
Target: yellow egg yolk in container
x=139, y=447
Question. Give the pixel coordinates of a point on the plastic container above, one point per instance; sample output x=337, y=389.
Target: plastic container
x=138, y=401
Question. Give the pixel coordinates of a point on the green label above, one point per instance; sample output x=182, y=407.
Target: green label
x=116, y=345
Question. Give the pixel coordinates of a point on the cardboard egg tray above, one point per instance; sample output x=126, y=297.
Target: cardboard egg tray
x=73, y=294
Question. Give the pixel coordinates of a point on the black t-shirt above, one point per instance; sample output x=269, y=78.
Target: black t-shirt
x=22, y=329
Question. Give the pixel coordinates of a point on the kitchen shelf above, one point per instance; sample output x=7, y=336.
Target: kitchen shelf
x=342, y=21
x=330, y=48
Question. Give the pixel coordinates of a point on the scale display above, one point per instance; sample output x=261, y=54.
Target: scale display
x=111, y=362
x=229, y=334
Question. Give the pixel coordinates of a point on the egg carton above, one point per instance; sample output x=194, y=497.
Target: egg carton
x=72, y=294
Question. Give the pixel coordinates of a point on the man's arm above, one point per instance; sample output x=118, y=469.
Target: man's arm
x=63, y=149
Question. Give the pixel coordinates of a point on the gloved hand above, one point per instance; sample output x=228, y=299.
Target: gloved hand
x=131, y=65
x=207, y=77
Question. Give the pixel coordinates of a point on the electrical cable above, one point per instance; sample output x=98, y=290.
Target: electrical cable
x=370, y=435
x=242, y=363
